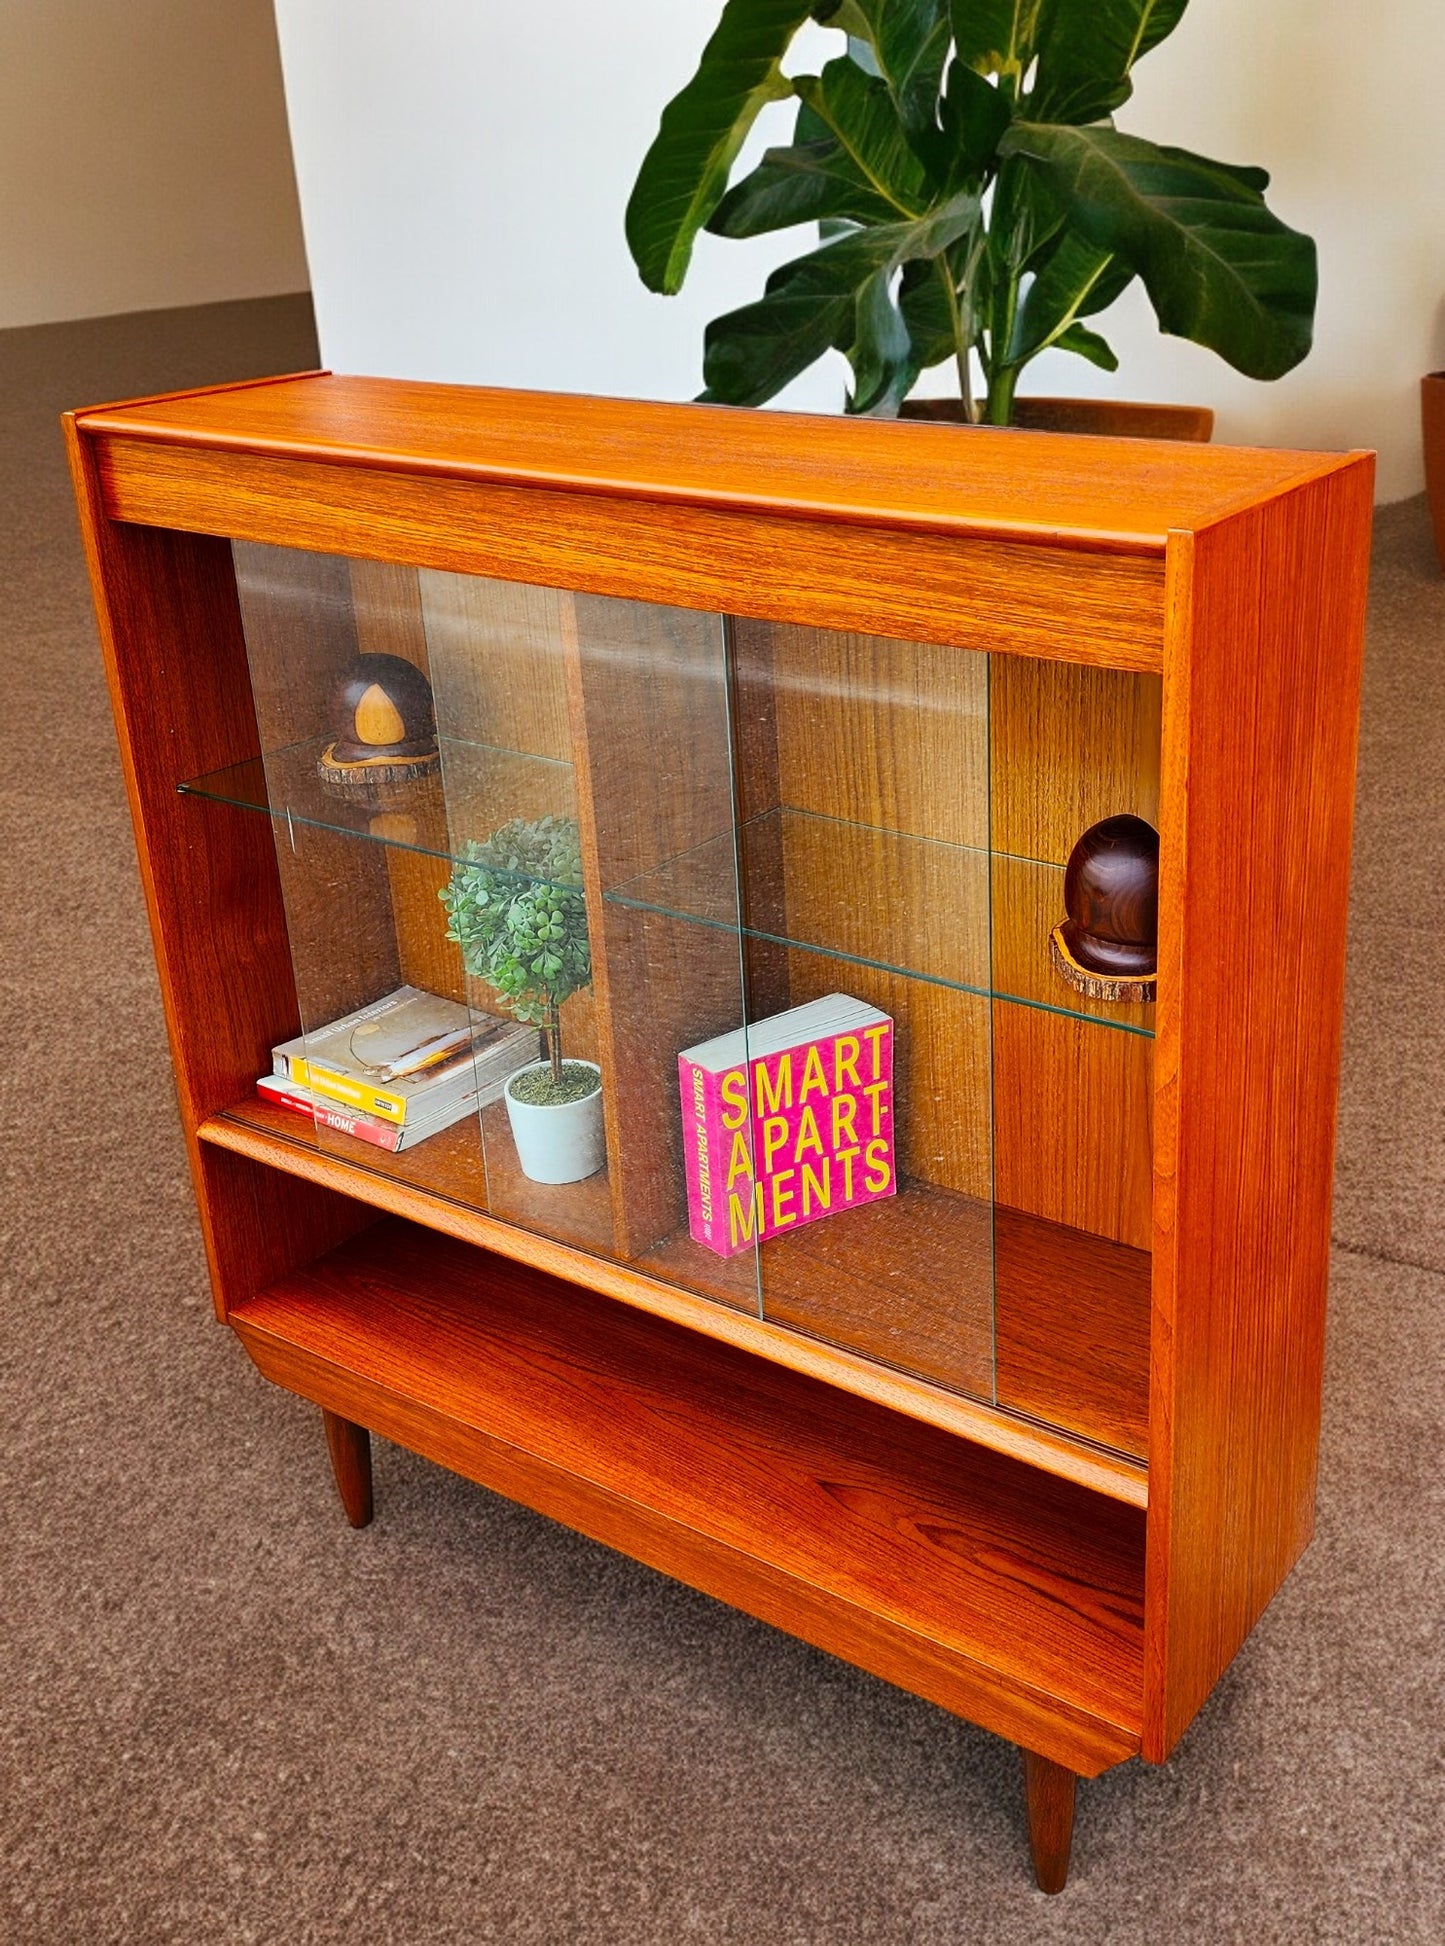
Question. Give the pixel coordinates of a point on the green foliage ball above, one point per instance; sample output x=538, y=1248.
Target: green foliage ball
x=517, y=910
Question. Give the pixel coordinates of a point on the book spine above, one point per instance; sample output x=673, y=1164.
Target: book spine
x=706, y=1158
x=380, y=1103
x=381, y=1135
x=281, y=1093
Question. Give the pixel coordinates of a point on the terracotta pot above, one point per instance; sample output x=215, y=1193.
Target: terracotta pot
x=1121, y=418
x=1432, y=425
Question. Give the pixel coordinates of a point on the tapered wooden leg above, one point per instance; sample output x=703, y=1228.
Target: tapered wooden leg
x=1049, y=1789
x=350, y=1449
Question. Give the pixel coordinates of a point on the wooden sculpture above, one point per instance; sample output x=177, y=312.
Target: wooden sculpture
x=383, y=724
x=1108, y=946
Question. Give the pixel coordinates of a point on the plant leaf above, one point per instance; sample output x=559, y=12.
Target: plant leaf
x=910, y=41
x=863, y=118
x=998, y=36
x=813, y=182
x=1088, y=344
x=810, y=305
x=880, y=351
x=1086, y=49
x=1076, y=279
x=973, y=115
x=684, y=173
x=924, y=309
x=1220, y=268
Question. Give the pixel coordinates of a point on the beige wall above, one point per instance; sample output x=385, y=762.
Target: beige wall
x=464, y=165
x=144, y=157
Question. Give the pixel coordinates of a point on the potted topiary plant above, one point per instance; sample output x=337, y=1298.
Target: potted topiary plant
x=518, y=912
x=976, y=203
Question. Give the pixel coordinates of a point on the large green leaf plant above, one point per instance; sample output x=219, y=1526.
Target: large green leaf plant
x=975, y=200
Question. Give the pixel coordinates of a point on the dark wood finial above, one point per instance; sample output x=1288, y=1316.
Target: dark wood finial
x=1108, y=946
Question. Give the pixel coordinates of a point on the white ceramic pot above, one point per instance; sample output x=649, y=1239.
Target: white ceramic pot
x=561, y=1141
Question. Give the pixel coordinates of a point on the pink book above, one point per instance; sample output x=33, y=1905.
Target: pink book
x=787, y=1121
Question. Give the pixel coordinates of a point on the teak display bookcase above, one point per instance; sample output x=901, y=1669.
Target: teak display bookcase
x=830, y=702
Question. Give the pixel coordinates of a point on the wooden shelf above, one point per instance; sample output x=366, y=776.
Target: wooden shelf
x=463, y=1164
x=283, y=1141
x=982, y=1577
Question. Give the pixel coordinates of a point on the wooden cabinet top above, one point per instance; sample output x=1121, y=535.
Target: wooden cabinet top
x=1125, y=495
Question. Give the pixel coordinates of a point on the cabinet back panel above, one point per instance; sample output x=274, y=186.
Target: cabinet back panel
x=498, y=667
x=1073, y=1122
x=1069, y=746
x=883, y=733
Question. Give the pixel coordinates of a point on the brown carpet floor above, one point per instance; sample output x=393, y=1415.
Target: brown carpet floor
x=225, y=1718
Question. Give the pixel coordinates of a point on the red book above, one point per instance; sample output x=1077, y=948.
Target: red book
x=329, y=1114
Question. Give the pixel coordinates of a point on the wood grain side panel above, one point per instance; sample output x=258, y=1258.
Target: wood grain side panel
x=175, y=660
x=972, y=593
x=1260, y=714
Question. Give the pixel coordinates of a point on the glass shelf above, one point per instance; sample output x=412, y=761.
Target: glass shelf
x=954, y=915
x=427, y=815
x=829, y=887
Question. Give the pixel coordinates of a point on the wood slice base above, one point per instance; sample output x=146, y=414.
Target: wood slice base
x=364, y=777
x=1098, y=986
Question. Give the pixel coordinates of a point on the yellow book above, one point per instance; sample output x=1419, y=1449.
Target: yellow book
x=410, y=1050
x=360, y=1095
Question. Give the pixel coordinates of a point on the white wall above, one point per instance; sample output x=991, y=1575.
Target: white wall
x=464, y=165
x=144, y=158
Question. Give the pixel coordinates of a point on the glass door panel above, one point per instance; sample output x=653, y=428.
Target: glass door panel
x=865, y=875
x=725, y=953
x=382, y=1067
x=459, y=888
x=1073, y=1072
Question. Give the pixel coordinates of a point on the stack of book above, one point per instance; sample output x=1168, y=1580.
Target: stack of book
x=401, y=1069
x=787, y=1121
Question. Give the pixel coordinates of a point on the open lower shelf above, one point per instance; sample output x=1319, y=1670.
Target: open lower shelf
x=979, y=1580
x=1071, y=1311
